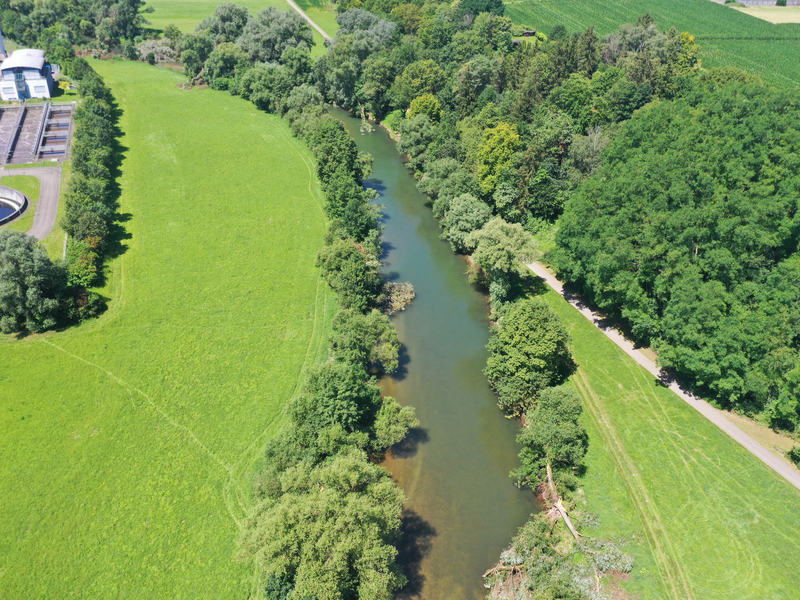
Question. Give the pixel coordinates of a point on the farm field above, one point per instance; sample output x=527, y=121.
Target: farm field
x=772, y=14
x=28, y=185
x=128, y=443
x=727, y=37
x=704, y=518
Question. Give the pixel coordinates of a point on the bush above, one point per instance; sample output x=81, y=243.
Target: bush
x=345, y=267
x=393, y=119
x=794, y=455
x=83, y=305
x=82, y=263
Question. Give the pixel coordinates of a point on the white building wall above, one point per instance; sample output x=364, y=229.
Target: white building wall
x=36, y=85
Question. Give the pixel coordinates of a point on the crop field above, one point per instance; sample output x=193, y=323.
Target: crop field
x=127, y=444
x=773, y=14
x=704, y=518
x=727, y=37
x=28, y=185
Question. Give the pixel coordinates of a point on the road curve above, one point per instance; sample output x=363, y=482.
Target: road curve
x=704, y=408
x=47, y=206
x=307, y=18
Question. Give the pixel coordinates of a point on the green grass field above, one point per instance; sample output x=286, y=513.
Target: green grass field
x=727, y=37
x=705, y=519
x=188, y=13
x=127, y=444
x=28, y=185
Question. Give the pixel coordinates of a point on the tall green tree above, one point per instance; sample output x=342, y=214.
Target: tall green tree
x=31, y=285
x=330, y=531
x=266, y=36
x=528, y=352
x=553, y=436
x=226, y=23
x=496, y=155
x=501, y=249
x=365, y=339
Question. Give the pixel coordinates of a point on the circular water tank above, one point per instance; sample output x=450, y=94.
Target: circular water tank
x=12, y=204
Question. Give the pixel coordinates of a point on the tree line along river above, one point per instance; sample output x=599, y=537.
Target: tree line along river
x=462, y=507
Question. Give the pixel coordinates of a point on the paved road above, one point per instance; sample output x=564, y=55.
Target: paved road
x=307, y=18
x=47, y=206
x=704, y=408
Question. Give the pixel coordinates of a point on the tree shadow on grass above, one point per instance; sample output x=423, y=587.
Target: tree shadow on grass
x=412, y=548
x=117, y=232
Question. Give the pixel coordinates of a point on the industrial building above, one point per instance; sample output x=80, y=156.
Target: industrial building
x=26, y=74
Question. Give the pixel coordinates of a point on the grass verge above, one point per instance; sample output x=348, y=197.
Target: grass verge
x=705, y=519
x=129, y=442
x=28, y=185
x=42, y=163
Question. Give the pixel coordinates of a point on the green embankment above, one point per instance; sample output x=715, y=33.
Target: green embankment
x=128, y=443
x=726, y=37
x=705, y=519
x=28, y=185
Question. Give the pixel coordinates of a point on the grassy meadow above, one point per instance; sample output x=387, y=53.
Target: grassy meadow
x=28, y=185
x=186, y=14
x=704, y=518
x=128, y=443
x=727, y=37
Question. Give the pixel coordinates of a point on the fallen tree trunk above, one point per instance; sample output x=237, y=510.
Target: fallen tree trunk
x=559, y=506
x=502, y=567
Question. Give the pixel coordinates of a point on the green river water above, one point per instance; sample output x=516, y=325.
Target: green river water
x=462, y=507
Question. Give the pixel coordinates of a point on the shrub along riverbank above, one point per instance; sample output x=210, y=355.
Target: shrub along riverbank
x=327, y=518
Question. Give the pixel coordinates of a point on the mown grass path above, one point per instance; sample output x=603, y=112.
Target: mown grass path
x=705, y=519
x=127, y=444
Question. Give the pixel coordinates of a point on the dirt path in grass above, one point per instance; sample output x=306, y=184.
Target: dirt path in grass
x=302, y=13
x=47, y=207
x=704, y=408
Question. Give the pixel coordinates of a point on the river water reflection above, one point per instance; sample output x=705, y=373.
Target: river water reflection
x=462, y=506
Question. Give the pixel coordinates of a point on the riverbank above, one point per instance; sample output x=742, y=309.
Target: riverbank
x=462, y=506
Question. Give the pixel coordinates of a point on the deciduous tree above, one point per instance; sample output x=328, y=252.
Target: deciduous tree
x=31, y=285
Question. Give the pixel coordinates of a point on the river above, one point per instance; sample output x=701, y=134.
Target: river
x=462, y=507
